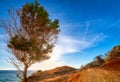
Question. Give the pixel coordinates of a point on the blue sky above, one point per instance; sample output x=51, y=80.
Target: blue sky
x=88, y=28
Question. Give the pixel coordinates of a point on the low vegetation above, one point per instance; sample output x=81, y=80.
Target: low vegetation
x=99, y=70
x=59, y=74
x=105, y=70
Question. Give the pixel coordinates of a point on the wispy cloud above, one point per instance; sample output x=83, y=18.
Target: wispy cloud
x=66, y=45
x=86, y=31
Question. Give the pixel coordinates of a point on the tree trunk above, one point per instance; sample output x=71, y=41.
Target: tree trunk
x=25, y=74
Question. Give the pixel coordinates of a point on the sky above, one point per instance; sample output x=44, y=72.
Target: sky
x=88, y=28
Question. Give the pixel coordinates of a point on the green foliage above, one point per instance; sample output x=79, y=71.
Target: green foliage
x=37, y=34
x=21, y=43
x=31, y=35
x=54, y=24
x=36, y=12
x=39, y=71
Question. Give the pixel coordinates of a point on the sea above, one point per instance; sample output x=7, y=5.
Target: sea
x=10, y=75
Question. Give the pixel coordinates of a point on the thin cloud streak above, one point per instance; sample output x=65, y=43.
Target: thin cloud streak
x=114, y=23
x=86, y=31
x=65, y=45
x=94, y=39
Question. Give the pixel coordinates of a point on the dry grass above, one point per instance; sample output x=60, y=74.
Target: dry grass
x=96, y=75
x=109, y=72
x=59, y=74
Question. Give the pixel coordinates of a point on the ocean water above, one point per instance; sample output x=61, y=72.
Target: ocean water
x=9, y=76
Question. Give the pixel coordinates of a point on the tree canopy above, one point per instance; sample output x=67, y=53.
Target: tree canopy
x=31, y=34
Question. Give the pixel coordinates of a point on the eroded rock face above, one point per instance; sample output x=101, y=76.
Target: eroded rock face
x=113, y=65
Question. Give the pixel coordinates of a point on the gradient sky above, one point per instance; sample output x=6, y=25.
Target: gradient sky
x=88, y=28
